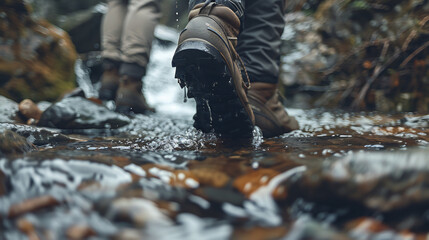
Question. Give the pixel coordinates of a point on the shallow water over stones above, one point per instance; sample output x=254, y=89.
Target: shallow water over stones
x=341, y=176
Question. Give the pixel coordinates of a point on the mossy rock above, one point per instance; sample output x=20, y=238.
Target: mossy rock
x=37, y=59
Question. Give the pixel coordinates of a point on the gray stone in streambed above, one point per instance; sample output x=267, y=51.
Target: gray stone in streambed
x=417, y=122
x=8, y=110
x=307, y=228
x=80, y=113
x=380, y=181
x=138, y=211
x=36, y=135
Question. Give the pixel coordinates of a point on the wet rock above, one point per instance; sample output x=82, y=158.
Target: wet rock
x=306, y=228
x=367, y=228
x=381, y=181
x=176, y=178
x=185, y=179
x=260, y=233
x=129, y=234
x=221, y=195
x=137, y=211
x=29, y=110
x=36, y=135
x=80, y=113
x=417, y=122
x=79, y=232
x=210, y=177
x=28, y=228
x=13, y=143
x=158, y=190
x=31, y=205
x=37, y=59
x=8, y=110
x=252, y=181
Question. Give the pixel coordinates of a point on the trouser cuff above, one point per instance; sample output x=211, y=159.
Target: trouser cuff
x=109, y=64
x=132, y=69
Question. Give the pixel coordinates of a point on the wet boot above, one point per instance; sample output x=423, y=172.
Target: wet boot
x=209, y=67
x=129, y=97
x=270, y=114
x=109, y=84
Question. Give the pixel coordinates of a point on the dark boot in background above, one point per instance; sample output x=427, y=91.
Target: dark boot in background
x=109, y=84
x=208, y=65
x=129, y=97
x=270, y=114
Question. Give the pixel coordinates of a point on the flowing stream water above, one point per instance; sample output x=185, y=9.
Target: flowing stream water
x=343, y=175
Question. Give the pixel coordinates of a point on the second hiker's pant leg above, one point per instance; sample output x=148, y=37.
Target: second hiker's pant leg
x=139, y=27
x=260, y=40
x=111, y=30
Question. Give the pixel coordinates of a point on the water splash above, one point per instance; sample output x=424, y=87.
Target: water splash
x=83, y=80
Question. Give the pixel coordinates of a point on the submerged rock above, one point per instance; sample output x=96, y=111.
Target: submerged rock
x=37, y=59
x=80, y=113
x=137, y=211
x=31, y=205
x=380, y=181
x=80, y=232
x=11, y=143
x=36, y=135
x=417, y=122
x=306, y=228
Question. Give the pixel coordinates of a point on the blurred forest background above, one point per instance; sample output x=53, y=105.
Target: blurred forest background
x=352, y=54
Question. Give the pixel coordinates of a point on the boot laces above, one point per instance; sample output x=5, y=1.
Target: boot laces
x=246, y=86
x=206, y=3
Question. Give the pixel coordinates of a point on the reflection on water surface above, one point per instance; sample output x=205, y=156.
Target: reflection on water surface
x=159, y=178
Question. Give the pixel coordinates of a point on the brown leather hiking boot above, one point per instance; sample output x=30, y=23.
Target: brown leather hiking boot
x=109, y=84
x=270, y=114
x=129, y=97
x=208, y=65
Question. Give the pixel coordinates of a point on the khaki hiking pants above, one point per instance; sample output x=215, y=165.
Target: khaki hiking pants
x=128, y=30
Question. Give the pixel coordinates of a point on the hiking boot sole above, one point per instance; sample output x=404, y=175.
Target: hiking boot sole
x=201, y=68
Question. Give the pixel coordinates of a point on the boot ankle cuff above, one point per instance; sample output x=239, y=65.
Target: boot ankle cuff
x=132, y=69
x=237, y=6
x=109, y=64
